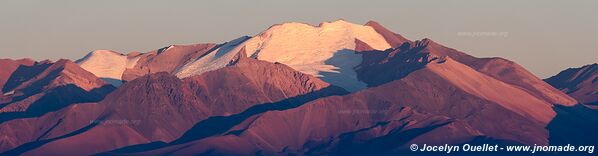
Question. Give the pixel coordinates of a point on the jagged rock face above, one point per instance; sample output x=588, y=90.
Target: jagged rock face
x=166, y=106
x=580, y=83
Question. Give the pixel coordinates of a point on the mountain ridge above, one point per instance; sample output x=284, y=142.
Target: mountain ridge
x=581, y=83
x=294, y=89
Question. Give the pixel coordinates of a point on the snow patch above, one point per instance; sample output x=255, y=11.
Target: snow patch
x=9, y=93
x=107, y=64
x=216, y=59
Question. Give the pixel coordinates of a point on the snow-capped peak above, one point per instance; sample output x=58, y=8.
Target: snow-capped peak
x=107, y=64
x=326, y=51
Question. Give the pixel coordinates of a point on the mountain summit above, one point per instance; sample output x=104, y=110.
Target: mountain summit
x=327, y=51
x=337, y=88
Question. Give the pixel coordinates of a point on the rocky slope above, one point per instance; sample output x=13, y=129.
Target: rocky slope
x=580, y=83
x=295, y=89
x=168, y=59
x=115, y=67
x=9, y=66
x=415, y=109
x=166, y=106
x=41, y=89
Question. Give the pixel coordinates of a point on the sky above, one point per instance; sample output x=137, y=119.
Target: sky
x=545, y=36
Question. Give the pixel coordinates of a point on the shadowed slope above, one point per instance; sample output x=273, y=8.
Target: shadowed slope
x=59, y=85
x=24, y=73
x=580, y=83
x=502, y=70
x=56, y=86
x=51, y=125
x=416, y=108
x=166, y=106
x=574, y=125
x=403, y=92
x=8, y=67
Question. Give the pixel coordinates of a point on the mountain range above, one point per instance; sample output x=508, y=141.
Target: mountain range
x=580, y=83
x=337, y=88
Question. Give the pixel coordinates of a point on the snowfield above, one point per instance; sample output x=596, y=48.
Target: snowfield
x=216, y=59
x=325, y=51
x=107, y=64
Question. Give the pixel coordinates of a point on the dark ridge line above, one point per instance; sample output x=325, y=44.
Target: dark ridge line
x=33, y=145
x=220, y=124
